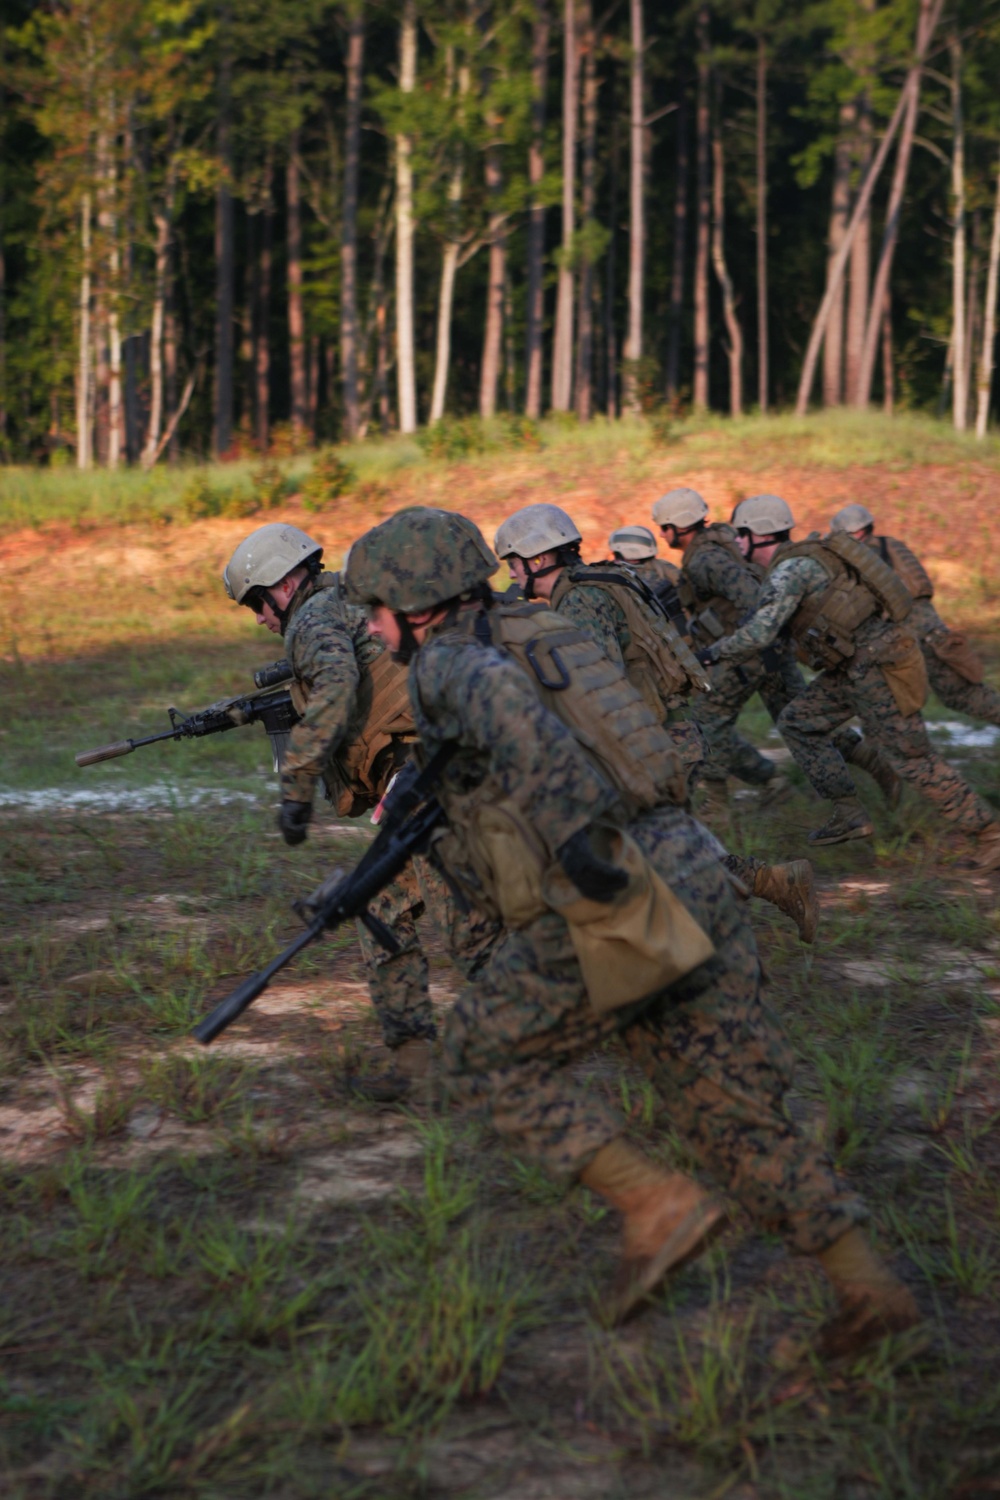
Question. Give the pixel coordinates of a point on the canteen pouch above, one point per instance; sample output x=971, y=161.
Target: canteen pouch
x=643, y=941
x=509, y=859
x=906, y=673
x=954, y=649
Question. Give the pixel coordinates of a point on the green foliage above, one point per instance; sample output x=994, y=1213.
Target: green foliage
x=329, y=477
x=468, y=437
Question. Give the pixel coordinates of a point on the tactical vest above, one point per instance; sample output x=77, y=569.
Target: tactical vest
x=658, y=661
x=381, y=733
x=912, y=573
x=825, y=625
x=715, y=617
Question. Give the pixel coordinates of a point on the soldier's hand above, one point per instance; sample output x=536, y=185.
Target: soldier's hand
x=293, y=820
x=708, y=655
x=593, y=877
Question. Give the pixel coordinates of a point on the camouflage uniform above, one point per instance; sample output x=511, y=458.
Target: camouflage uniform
x=716, y=1054
x=330, y=652
x=858, y=687
x=655, y=571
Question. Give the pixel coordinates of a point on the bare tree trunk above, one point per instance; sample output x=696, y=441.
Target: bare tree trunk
x=888, y=377
x=312, y=384
x=588, y=183
x=989, y=323
x=930, y=14
x=296, y=316
x=225, y=269
x=449, y=256
x=632, y=351
x=676, y=315
x=562, y=353
x=704, y=215
x=972, y=315
x=381, y=335
x=405, y=357
x=354, y=70
x=489, y=374
x=959, y=389
x=761, y=143
x=154, y=427
x=721, y=270
x=860, y=259
x=840, y=212
x=262, y=342
x=170, y=359
x=83, y=453
x=611, y=269
x=536, y=216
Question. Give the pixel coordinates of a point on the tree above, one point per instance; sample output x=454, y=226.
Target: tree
x=405, y=366
x=562, y=350
x=637, y=208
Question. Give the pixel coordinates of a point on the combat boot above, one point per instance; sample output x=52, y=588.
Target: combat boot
x=407, y=1079
x=872, y=1304
x=713, y=797
x=868, y=757
x=987, y=855
x=849, y=821
x=775, y=790
x=668, y=1219
x=792, y=889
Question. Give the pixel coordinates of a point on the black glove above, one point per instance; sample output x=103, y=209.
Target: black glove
x=708, y=655
x=293, y=820
x=594, y=877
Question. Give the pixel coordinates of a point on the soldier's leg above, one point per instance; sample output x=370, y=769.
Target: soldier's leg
x=867, y=756
x=807, y=725
x=398, y=982
x=716, y=713
x=977, y=699
x=467, y=934
x=790, y=887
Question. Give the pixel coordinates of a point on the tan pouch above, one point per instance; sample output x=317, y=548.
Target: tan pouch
x=636, y=945
x=955, y=650
x=907, y=679
x=511, y=858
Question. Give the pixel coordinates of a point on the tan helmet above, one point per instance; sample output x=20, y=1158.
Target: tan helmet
x=680, y=508
x=267, y=556
x=852, y=518
x=535, y=529
x=763, y=515
x=634, y=543
x=418, y=558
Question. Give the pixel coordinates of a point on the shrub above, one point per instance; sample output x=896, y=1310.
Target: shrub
x=270, y=487
x=328, y=478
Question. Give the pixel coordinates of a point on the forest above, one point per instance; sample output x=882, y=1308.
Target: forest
x=227, y=229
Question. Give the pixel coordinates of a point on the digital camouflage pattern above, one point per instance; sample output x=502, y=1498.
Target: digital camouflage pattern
x=417, y=558
x=718, y=1057
x=597, y=612
x=655, y=571
x=858, y=688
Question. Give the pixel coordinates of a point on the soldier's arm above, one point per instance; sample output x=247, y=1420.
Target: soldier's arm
x=591, y=609
x=713, y=571
x=326, y=666
x=483, y=699
x=780, y=598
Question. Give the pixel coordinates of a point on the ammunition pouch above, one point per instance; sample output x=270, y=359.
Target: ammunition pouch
x=904, y=669
x=956, y=651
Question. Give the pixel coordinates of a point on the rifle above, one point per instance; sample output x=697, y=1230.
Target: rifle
x=409, y=816
x=271, y=707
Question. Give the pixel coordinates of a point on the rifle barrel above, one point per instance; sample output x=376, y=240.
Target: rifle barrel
x=121, y=747
x=245, y=994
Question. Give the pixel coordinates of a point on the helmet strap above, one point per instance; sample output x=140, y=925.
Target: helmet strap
x=565, y=557
x=408, y=643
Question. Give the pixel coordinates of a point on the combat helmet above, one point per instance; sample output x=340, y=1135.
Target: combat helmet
x=267, y=556
x=763, y=515
x=535, y=529
x=634, y=543
x=417, y=559
x=680, y=508
x=852, y=518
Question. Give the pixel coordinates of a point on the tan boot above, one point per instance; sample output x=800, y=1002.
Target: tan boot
x=668, y=1219
x=775, y=791
x=873, y=1303
x=792, y=890
x=868, y=757
x=987, y=855
x=849, y=821
x=406, y=1078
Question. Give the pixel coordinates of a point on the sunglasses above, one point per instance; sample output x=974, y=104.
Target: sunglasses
x=254, y=599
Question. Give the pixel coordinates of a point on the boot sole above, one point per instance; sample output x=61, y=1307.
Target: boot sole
x=693, y=1234
x=863, y=831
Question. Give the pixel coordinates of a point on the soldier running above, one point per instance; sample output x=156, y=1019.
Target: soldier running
x=636, y=545
x=568, y=834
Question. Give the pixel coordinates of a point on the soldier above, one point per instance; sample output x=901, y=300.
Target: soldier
x=537, y=829
x=847, y=612
x=719, y=588
x=541, y=545
x=355, y=732
x=954, y=670
x=636, y=545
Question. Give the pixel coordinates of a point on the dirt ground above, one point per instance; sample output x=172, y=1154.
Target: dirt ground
x=224, y=1274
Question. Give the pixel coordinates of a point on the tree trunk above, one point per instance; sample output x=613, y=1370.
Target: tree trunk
x=632, y=351
x=840, y=213
x=225, y=269
x=972, y=315
x=562, y=353
x=860, y=259
x=704, y=215
x=489, y=374
x=536, y=215
x=888, y=378
x=3, y=307
x=959, y=389
x=683, y=168
x=262, y=340
x=353, y=67
x=588, y=184
x=170, y=342
x=930, y=14
x=83, y=454
x=989, y=323
x=162, y=252
x=761, y=143
x=405, y=358
x=611, y=268
x=721, y=270
x=296, y=317
x=449, y=255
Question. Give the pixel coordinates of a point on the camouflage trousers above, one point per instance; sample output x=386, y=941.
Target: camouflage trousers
x=398, y=982
x=832, y=697
x=716, y=714
x=716, y=1055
